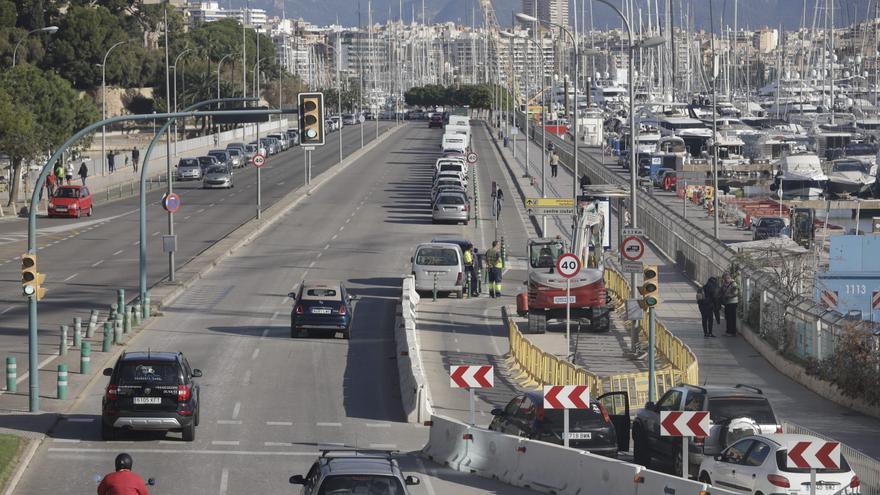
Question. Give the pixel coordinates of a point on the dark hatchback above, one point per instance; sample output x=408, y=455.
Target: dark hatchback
x=436, y=120
x=767, y=227
x=151, y=391
x=603, y=429
x=322, y=306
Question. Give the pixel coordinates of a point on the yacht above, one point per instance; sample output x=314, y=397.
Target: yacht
x=801, y=176
x=848, y=176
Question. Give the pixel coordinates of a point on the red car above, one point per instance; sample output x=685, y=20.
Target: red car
x=71, y=201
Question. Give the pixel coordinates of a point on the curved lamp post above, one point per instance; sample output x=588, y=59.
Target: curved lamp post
x=104, y=104
x=47, y=29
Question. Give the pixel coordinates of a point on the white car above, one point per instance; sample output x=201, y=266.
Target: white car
x=758, y=465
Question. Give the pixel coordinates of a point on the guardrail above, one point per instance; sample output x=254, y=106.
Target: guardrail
x=414, y=394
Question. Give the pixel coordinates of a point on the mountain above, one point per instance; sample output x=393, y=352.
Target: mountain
x=751, y=13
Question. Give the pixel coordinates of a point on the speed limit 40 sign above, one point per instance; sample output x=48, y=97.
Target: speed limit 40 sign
x=568, y=265
x=258, y=160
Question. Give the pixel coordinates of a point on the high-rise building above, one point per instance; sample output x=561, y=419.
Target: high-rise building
x=548, y=10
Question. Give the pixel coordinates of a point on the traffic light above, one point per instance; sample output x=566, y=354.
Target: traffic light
x=311, y=119
x=31, y=279
x=650, y=289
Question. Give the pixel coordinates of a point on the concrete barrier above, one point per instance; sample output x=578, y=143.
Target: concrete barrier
x=414, y=394
x=446, y=443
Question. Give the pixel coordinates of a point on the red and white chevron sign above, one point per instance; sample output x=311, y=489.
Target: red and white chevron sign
x=566, y=397
x=815, y=455
x=875, y=300
x=684, y=423
x=472, y=376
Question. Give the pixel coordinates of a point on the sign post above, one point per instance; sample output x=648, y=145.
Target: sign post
x=471, y=377
x=568, y=265
x=814, y=455
x=566, y=397
x=684, y=424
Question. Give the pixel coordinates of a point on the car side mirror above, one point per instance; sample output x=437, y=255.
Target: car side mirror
x=650, y=406
x=412, y=259
x=498, y=412
x=197, y=373
x=108, y=371
x=291, y=295
x=412, y=480
x=297, y=479
x=352, y=297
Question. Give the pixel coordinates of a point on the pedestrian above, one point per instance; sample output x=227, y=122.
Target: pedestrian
x=50, y=184
x=499, y=202
x=135, y=156
x=495, y=264
x=554, y=163
x=706, y=304
x=83, y=172
x=59, y=174
x=126, y=160
x=585, y=181
x=469, y=269
x=68, y=174
x=111, y=162
x=713, y=291
x=730, y=298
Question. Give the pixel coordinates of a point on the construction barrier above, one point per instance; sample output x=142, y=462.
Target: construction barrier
x=414, y=394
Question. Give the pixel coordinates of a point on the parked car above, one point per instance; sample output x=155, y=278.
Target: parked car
x=281, y=137
x=251, y=150
x=151, y=391
x=268, y=146
x=349, y=119
x=766, y=227
x=293, y=136
x=189, y=169
x=602, y=429
x=451, y=207
x=436, y=120
x=218, y=176
x=759, y=464
x=735, y=412
x=441, y=263
x=344, y=472
x=237, y=157
x=71, y=201
x=321, y=305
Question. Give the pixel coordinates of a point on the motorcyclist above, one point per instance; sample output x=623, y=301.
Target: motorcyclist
x=123, y=481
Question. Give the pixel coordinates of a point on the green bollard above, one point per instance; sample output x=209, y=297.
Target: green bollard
x=467, y=285
x=85, y=358
x=112, y=315
x=147, y=307
x=77, y=332
x=136, y=315
x=503, y=251
x=93, y=324
x=11, y=374
x=126, y=320
x=108, y=337
x=62, y=381
x=120, y=301
x=62, y=343
x=434, y=290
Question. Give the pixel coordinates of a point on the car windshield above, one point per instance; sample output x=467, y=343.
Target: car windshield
x=321, y=292
x=773, y=223
x=234, y=152
x=67, y=192
x=367, y=484
x=188, y=163
x=724, y=408
x=217, y=170
x=432, y=256
x=850, y=166
x=545, y=255
x=148, y=373
x=207, y=160
x=578, y=418
x=451, y=166
x=451, y=199
x=218, y=156
x=782, y=463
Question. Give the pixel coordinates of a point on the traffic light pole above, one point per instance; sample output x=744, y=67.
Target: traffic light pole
x=652, y=388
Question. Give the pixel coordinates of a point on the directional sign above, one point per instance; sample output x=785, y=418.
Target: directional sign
x=171, y=202
x=566, y=397
x=568, y=265
x=627, y=266
x=258, y=160
x=471, y=376
x=549, y=203
x=472, y=157
x=684, y=423
x=632, y=248
x=817, y=454
x=551, y=211
x=628, y=231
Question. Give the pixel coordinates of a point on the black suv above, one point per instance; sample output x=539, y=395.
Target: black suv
x=151, y=391
x=734, y=413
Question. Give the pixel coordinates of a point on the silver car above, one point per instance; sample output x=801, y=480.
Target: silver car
x=351, y=471
x=451, y=207
x=438, y=265
x=189, y=169
x=218, y=176
x=236, y=157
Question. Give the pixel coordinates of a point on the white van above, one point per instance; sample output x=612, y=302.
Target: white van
x=459, y=120
x=443, y=260
x=454, y=142
x=461, y=130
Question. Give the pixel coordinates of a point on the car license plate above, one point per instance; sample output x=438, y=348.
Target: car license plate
x=147, y=400
x=563, y=299
x=580, y=436
x=60, y=208
x=321, y=311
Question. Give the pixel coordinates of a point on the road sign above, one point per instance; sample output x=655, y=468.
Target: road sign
x=566, y=397
x=258, y=160
x=568, y=265
x=632, y=248
x=471, y=376
x=472, y=157
x=817, y=454
x=549, y=203
x=627, y=266
x=551, y=211
x=171, y=202
x=627, y=232
x=875, y=300
x=684, y=423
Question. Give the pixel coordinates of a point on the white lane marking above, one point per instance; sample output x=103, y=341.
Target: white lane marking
x=228, y=421
x=235, y=410
x=210, y=205
x=225, y=442
x=136, y=243
x=6, y=310
x=187, y=217
x=336, y=425
x=333, y=238
x=274, y=315
x=377, y=425
x=224, y=481
x=384, y=446
x=65, y=440
x=342, y=228
x=80, y=420
x=155, y=234
x=265, y=333
x=311, y=264
x=279, y=423
x=327, y=247
x=200, y=211
x=348, y=220
x=118, y=252
x=255, y=353
x=281, y=183
x=277, y=444
x=70, y=277
x=428, y=485
x=97, y=263
x=319, y=255
x=247, y=377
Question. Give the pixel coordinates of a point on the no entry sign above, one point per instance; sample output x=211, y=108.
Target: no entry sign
x=632, y=248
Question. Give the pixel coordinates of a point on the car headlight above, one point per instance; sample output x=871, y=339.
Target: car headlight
x=74, y=206
x=51, y=204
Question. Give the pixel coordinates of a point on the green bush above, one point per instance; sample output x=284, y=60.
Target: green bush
x=854, y=367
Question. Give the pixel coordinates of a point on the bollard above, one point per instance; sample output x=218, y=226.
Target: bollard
x=503, y=251
x=136, y=315
x=147, y=307
x=62, y=343
x=108, y=337
x=434, y=291
x=126, y=320
x=120, y=301
x=85, y=358
x=117, y=332
x=112, y=315
x=11, y=374
x=467, y=285
x=93, y=324
x=77, y=332
x=62, y=381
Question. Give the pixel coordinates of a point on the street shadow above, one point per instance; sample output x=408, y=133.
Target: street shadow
x=274, y=331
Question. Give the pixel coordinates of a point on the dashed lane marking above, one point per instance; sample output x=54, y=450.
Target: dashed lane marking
x=255, y=353
x=225, y=442
x=70, y=277
x=247, y=377
x=224, y=481
x=228, y=421
x=279, y=423
x=265, y=333
x=335, y=425
x=333, y=238
x=6, y=310
x=97, y=263
x=377, y=425
x=277, y=444
x=235, y=410
x=156, y=233
x=118, y=252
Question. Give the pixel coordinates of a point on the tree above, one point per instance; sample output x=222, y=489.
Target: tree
x=53, y=107
x=8, y=14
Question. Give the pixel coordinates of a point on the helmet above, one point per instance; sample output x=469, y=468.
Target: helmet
x=123, y=461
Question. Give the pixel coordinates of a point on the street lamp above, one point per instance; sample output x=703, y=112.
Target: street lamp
x=338, y=91
x=174, y=70
x=219, y=65
x=47, y=29
x=103, y=65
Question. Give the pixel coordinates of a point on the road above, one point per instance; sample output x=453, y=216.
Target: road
x=86, y=260
x=269, y=401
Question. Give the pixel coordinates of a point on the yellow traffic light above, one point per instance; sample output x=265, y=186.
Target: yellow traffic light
x=31, y=280
x=650, y=289
x=311, y=119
